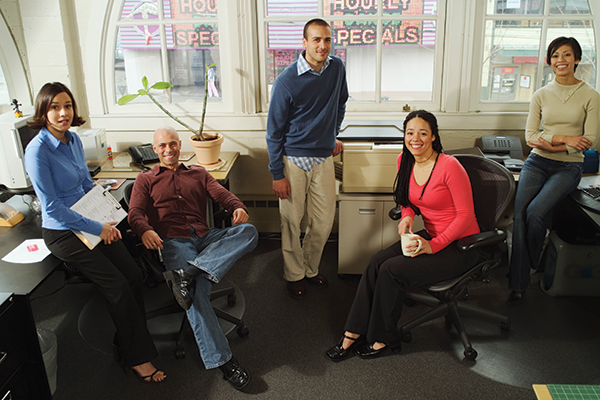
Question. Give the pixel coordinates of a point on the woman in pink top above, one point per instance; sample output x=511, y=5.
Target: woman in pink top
x=431, y=184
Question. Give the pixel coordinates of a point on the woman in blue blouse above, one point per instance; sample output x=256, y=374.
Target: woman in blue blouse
x=55, y=162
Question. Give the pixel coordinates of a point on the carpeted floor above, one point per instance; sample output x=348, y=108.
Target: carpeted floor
x=552, y=340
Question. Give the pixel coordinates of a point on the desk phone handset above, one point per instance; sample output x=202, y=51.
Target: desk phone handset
x=143, y=154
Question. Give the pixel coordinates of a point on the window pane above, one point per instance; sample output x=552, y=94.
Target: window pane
x=584, y=33
x=351, y=7
x=518, y=7
x=137, y=54
x=275, y=8
x=355, y=44
x=510, y=57
x=408, y=51
x=569, y=7
x=284, y=45
x=4, y=96
x=420, y=7
x=142, y=10
x=185, y=9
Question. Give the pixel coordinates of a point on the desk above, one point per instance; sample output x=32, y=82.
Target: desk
x=131, y=171
x=22, y=280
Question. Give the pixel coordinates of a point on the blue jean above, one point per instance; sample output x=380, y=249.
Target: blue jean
x=543, y=183
x=209, y=258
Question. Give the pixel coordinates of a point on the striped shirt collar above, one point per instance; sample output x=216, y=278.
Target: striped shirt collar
x=304, y=66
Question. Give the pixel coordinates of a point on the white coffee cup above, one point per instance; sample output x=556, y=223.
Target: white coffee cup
x=407, y=239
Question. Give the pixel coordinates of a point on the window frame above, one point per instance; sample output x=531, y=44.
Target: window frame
x=376, y=105
x=475, y=103
x=13, y=69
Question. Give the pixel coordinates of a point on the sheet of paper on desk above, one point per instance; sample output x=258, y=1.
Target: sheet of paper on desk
x=589, y=181
x=100, y=206
x=28, y=252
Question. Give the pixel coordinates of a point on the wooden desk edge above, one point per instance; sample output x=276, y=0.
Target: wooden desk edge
x=542, y=392
x=228, y=156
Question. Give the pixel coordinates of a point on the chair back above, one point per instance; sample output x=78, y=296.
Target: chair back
x=493, y=188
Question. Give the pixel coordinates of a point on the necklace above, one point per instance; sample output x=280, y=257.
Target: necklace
x=421, y=162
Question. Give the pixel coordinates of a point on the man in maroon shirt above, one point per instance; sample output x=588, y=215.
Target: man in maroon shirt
x=168, y=211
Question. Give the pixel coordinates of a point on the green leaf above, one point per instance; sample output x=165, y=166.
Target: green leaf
x=145, y=82
x=142, y=92
x=209, y=66
x=126, y=99
x=161, y=85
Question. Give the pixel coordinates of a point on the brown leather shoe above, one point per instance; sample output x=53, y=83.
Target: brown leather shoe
x=319, y=281
x=297, y=289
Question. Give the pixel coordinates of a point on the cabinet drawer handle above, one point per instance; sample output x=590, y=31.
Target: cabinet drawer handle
x=366, y=211
x=3, y=355
x=7, y=396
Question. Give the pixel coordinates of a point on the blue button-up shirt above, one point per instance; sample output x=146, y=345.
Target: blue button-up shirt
x=60, y=177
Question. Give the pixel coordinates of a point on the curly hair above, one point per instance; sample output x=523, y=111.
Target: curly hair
x=407, y=161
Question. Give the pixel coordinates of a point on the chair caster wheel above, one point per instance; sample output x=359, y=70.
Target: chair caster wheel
x=243, y=331
x=505, y=326
x=470, y=354
x=179, y=353
x=231, y=299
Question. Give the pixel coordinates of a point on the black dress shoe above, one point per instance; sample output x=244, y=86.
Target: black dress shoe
x=236, y=375
x=367, y=351
x=319, y=281
x=338, y=353
x=297, y=289
x=180, y=282
x=515, y=298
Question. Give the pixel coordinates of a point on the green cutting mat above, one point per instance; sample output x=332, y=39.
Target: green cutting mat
x=574, y=392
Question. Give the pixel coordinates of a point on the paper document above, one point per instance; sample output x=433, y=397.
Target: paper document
x=98, y=204
x=28, y=252
x=587, y=182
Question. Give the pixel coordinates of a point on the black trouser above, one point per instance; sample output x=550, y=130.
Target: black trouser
x=119, y=279
x=380, y=295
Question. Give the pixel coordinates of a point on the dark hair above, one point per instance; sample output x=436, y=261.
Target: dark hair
x=560, y=41
x=315, y=21
x=44, y=100
x=402, y=182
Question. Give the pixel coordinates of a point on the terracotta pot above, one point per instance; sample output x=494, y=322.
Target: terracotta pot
x=207, y=151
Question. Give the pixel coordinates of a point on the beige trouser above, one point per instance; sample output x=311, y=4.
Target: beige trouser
x=314, y=192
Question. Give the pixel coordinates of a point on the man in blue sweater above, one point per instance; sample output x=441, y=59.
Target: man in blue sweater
x=308, y=103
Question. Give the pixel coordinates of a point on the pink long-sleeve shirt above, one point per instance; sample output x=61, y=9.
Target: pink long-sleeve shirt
x=447, y=204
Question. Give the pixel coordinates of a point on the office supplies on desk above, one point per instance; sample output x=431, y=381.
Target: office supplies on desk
x=29, y=252
x=9, y=216
x=593, y=192
x=94, y=169
x=111, y=184
x=567, y=392
x=590, y=161
x=98, y=204
x=143, y=154
x=505, y=150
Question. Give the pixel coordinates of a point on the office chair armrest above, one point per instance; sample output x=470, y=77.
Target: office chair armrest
x=481, y=240
x=395, y=213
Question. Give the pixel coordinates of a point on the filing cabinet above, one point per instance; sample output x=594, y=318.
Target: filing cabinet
x=22, y=373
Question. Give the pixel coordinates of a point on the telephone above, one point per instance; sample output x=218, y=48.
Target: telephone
x=505, y=150
x=143, y=154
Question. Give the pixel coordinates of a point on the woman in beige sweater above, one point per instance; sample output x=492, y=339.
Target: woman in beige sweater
x=568, y=110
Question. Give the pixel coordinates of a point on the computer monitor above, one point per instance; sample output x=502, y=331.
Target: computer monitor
x=14, y=137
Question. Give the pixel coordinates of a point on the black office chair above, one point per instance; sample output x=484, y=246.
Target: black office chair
x=154, y=268
x=493, y=190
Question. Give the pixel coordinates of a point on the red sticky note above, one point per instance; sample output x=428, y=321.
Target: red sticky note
x=33, y=247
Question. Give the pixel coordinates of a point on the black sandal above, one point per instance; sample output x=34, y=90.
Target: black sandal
x=148, y=378
x=338, y=353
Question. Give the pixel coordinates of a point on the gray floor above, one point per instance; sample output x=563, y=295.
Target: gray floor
x=552, y=340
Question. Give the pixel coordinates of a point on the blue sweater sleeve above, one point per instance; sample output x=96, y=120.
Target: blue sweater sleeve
x=39, y=164
x=277, y=126
x=342, y=102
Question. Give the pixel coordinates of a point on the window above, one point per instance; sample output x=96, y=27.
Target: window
x=4, y=96
x=516, y=34
x=168, y=40
x=390, y=47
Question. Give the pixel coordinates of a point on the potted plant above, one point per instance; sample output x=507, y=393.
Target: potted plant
x=207, y=148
